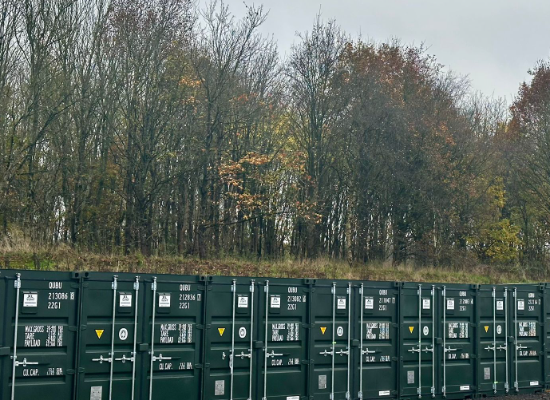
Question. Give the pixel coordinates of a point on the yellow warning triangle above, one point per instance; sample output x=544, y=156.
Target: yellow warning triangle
x=99, y=332
x=411, y=329
x=221, y=330
x=323, y=329
x=486, y=328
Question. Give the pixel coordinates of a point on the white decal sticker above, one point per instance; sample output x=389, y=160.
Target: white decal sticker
x=242, y=302
x=276, y=301
x=125, y=300
x=521, y=305
x=499, y=329
x=293, y=398
x=426, y=331
x=500, y=305
x=384, y=393
x=340, y=331
x=410, y=377
x=450, y=304
x=123, y=334
x=369, y=303
x=534, y=383
x=96, y=392
x=342, y=304
x=242, y=332
x=219, y=388
x=425, y=304
x=465, y=387
x=164, y=300
x=30, y=299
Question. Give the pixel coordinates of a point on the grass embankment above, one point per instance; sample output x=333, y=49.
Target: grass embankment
x=66, y=259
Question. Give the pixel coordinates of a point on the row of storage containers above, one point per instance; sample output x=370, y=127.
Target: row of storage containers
x=106, y=336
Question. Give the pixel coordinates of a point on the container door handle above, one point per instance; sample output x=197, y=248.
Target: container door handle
x=24, y=363
x=367, y=351
x=101, y=360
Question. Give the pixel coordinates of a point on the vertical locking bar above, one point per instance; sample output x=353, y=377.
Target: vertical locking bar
x=433, y=341
x=419, y=341
x=494, y=342
x=444, y=389
x=507, y=386
x=333, y=348
x=516, y=383
x=154, y=289
x=17, y=286
x=134, y=352
x=266, y=289
x=251, y=337
x=360, y=394
x=349, y=340
x=232, y=353
x=112, y=353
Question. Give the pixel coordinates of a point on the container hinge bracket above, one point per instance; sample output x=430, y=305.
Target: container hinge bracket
x=154, y=285
x=17, y=283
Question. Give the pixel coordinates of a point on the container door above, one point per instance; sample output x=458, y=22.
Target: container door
x=174, y=316
x=230, y=334
x=458, y=338
x=40, y=335
x=110, y=332
x=331, y=335
x=418, y=372
x=528, y=337
x=283, y=314
x=378, y=343
x=494, y=354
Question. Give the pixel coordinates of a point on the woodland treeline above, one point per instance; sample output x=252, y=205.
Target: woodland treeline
x=152, y=126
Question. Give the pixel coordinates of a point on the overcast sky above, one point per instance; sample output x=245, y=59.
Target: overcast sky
x=493, y=42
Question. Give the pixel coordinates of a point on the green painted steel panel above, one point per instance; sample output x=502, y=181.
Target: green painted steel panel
x=173, y=331
x=376, y=366
x=331, y=318
x=493, y=348
x=41, y=346
x=108, y=357
x=456, y=341
x=527, y=329
x=419, y=367
x=283, y=322
x=231, y=355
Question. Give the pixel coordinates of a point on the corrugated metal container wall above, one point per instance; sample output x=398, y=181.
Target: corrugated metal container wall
x=419, y=368
x=283, y=327
x=456, y=340
x=376, y=365
x=527, y=315
x=39, y=334
x=493, y=349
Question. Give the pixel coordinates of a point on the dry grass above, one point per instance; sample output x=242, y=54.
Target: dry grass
x=20, y=254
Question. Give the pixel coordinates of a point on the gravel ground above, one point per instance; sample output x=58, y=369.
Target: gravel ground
x=538, y=396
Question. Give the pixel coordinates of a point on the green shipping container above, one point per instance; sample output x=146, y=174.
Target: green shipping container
x=39, y=334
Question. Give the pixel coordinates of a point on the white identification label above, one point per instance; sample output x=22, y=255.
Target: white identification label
x=341, y=304
x=276, y=301
x=123, y=334
x=340, y=331
x=242, y=302
x=450, y=304
x=534, y=383
x=500, y=305
x=369, y=303
x=425, y=304
x=465, y=387
x=30, y=299
x=293, y=398
x=125, y=300
x=521, y=305
x=164, y=300
x=426, y=331
x=384, y=393
x=96, y=392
